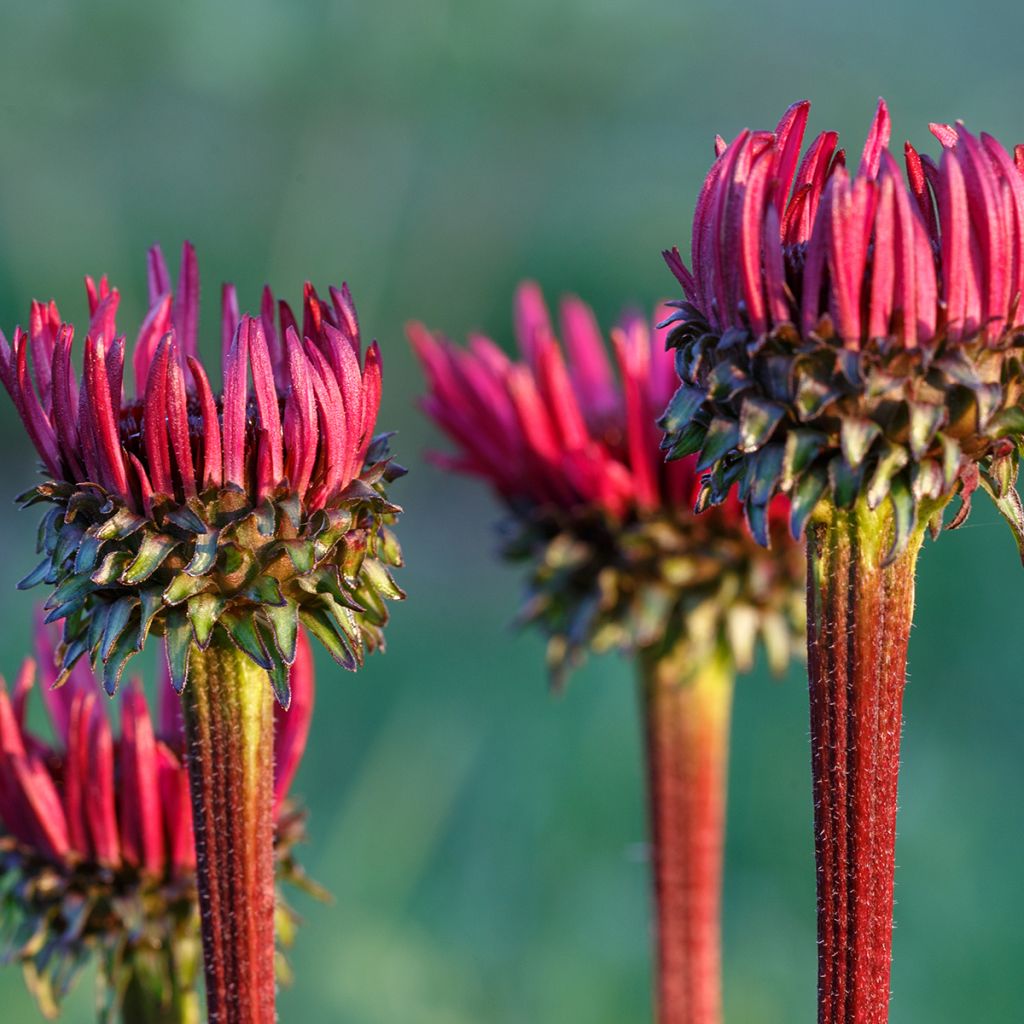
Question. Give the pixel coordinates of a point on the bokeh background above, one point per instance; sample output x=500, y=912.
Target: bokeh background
x=483, y=840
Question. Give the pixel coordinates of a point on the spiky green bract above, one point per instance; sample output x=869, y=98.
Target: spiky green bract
x=219, y=564
x=655, y=581
x=806, y=417
x=142, y=931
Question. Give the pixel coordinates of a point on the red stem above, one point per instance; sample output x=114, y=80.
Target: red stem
x=687, y=731
x=229, y=721
x=859, y=618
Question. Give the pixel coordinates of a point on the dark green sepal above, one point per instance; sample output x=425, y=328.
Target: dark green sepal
x=153, y=551
x=151, y=602
x=203, y=611
x=36, y=576
x=88, y=553
x=802, y=447
x=114, y=663
x=242, y=630
x=805, y=496
x=182, y=587
x=856, y=437
x=177, y=647
x=279, y=671
x=264, y=590
x=123, y=523
x=925, y=421
x=110, y=570
x=722, y=437
x=685, y=403
x=117, y=622
x=382, y=582
x=204, y=553
x=1010, y=508
x=68, y=541
x=845, y=481
x=758, y=419
x=284, y=625
x=904, y=518
x=321, y=624
x=892, y=459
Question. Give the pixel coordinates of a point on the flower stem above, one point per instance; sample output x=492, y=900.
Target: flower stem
x=159, y=992
x=687, y=716
x=229, y=723
x=859, y=618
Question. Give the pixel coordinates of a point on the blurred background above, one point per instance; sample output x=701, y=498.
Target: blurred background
x=483, y=840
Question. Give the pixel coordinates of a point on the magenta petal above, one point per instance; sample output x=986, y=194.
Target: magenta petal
x=154, y=327
x=212, y=456
x=185, y=313
x=100, y=805
x=177, y=423
x=789, y=135
x=236, y=398
x=142, y=828
x=633, y=354
x=229, y=317
x=291, y=728
x=154, y=422
x=156, y=273
x=104, y=419
x=589, y=367
x=267, y=406
x=877, y=141
x=532, y=322
x=301, y=438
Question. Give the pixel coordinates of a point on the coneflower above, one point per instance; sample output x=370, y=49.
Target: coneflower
x=618, y=561
x=854, y=340
x=97, y=862
x=220, y=523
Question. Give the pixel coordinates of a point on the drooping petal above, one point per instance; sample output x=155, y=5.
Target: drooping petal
x=292, y=726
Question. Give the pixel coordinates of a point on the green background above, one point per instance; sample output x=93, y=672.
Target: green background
x=483, y=840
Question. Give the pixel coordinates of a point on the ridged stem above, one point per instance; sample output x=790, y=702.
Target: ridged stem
x=859, y=618
x=229, y=724
x=687, y=716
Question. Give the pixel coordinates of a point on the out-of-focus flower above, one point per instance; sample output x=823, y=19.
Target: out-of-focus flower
x=189, y=513
x=853, y=333
x=97, y=860
x=617, y=558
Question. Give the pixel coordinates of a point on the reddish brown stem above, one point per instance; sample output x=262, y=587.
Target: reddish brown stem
x=687, y=726
x=859, y=617
x=229, y=720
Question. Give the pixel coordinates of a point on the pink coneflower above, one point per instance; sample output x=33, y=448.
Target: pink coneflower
x=567, y=439
x=853, y=339
x=96, y=839
x=219, y=522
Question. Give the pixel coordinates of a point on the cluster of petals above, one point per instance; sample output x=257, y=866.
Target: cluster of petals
x=934, y=252
x=304, y=421
x=86, y=796
x=558, y=427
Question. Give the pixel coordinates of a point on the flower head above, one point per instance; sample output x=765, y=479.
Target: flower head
x=184, y=511
x=566, y=438
x=96, y=841
x=856, y=333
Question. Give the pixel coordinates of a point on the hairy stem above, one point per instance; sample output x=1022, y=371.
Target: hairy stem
x=229, y=723
x=859, y=618
x=687, y=716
